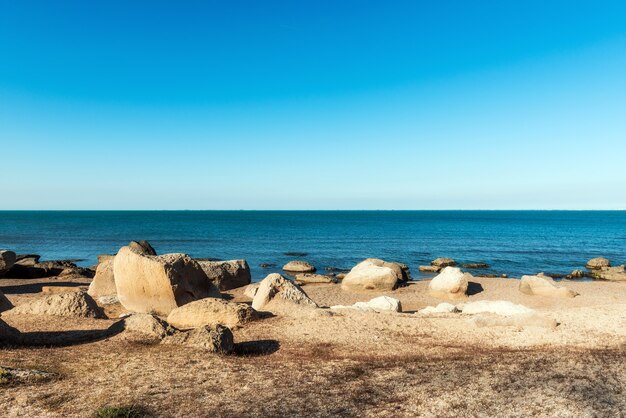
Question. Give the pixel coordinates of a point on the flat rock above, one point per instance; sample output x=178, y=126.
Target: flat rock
x=298, y=266
x=69, y=304
x=211, y=311
x=227, y=275
x=451, y=283
x=614, y=274
x=217, y=339
x=498, y=307
x=379, y=304
x=429, y=269
x=275, y=293
x=159, y=284
x=544, y=286
x=310, y=278
x=443, y=307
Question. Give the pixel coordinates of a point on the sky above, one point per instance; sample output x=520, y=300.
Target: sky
x=313, y=105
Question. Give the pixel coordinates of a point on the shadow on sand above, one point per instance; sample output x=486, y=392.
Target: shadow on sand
x=62, y=338
x=256, y=348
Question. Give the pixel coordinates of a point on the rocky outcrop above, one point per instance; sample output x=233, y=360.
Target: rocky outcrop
x=374, y=274
x=103, y=283
x=542, y=285
x=309, y=278
x=70, y=304
x=211, y=311
x=598, y=263
x=379, y=304
x=614, y=274
x=142, y=326
x=7, y=260
x=217, y=339
x=442, y=262
x=443, y=307
x=451, y=283
x=5, y=304
x=298, y=267
x=159, y=284
x=277, y=294
x=498, y=307
x=227, y=275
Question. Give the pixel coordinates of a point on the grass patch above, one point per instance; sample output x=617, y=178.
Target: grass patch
x=132, y=411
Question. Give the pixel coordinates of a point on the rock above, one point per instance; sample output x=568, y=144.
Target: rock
x=577, y=274
x=108, y=300
x=105, y=257
x=103, y=283
x=211, y=311
x=308, y=278
x=27, y=270
x=27, y=259
x=443, y=262
x=147, y=326
x=379, y=304
x=443, y=307
x=543, y=286
x=218, y=339
x=498, y=307
x=341, y=276
x=297, y=266
x=8, y=334
x=55, y=290
x=7, y=259
x=429, y=269
x=475, y=266
x=5, y=304
x=69, y=304
x=598, y=263
x=158, y=284
x=520, y=321
x=251, y=290
x=614, y=274
x=275, y=293
x=295, y=254
x=227, y=275
x=373, y=274
x=267, y=265
x=142, y=247
x=451, y=283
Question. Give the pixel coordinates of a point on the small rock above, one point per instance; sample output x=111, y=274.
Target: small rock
x=277, y=293
x=443, y=262
x=298, y=266
x=451, y=283
x=498, y=307
x=577, y=274
x=267, y=265
x=218, y=339
x=211, y=311
x=475, y=266
x=379, y=304
x=443, y=307
x=429, y=269
x=309, y=278
x=146, y=326
x=70, y=304
x=542, y=285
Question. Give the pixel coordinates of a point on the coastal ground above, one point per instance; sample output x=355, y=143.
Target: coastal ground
x=343, y=363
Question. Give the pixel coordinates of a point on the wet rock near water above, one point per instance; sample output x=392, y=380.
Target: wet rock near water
x=475, y=266
x=598, y=263
x=298, y=266
x=310, y=278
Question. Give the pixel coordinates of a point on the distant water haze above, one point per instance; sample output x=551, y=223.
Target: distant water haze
x=511, y=242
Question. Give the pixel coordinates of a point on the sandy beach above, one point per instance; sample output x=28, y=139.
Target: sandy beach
x=326, y=362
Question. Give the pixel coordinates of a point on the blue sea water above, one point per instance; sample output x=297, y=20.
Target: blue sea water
x=511, y=242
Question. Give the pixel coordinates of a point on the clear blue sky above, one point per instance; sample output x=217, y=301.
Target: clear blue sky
x=313, y=105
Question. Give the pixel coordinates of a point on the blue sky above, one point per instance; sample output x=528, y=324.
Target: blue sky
x=313, y=105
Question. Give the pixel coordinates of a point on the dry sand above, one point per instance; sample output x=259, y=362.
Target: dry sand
x=339, y=364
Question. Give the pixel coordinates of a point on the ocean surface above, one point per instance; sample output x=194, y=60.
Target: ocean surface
x=511, y=242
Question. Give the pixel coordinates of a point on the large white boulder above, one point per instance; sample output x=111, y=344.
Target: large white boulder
x=275, y=293
x=498, y=307
x=159, y=284
x=451, y=283
x=373, y=274
x=379, y=304
x=211, y=311
x=541, y=285
x=227, y=275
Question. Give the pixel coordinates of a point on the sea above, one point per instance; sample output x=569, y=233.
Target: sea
x=510, y=242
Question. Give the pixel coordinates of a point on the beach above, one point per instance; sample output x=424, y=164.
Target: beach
x=328, y=362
